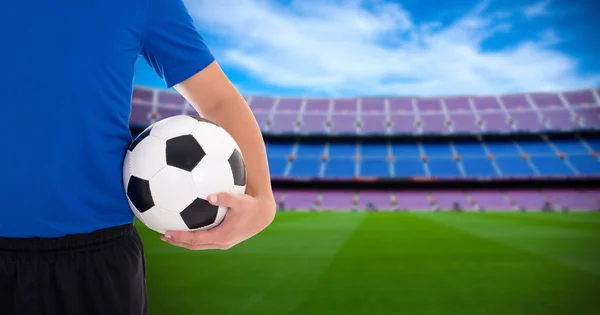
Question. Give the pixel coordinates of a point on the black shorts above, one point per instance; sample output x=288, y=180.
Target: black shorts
x=103, y=272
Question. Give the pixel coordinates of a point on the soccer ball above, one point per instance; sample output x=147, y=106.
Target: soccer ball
x=173, y=165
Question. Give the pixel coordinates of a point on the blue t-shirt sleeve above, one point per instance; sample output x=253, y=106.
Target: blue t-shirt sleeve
x=171, y=43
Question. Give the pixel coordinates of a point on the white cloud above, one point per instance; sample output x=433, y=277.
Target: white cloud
x=343, y=48
x=539, y=8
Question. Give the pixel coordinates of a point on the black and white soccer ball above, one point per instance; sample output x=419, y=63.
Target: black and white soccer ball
x=173, y=165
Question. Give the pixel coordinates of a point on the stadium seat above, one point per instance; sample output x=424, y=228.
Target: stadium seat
x=340, y=167
x=336, y=200
x=455, y=200
x=478, y=167
x=514, y=166
x=299, y=200
x=443, y=167
x=585, y=164
x=551, y=166
x=379, y=200
x=374, y=166
x=277, y=165
x=306, y=167
x=408, y=167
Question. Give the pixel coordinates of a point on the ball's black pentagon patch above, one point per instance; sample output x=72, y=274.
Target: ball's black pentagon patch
x=138, y=191
x=184, y=152
x=236, y=162
x=198, y=118
x=140, y=137
x=199, y=213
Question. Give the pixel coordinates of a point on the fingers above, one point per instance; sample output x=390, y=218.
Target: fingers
x=193, y=238
x=229, y=200
x=195, y=247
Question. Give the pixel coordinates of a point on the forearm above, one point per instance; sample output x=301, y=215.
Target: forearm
x=234, y=115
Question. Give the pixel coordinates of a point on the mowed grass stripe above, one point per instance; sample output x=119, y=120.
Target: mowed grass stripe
x=268, y=274
x=400, y=263
x=576, y=221
x=576, y=248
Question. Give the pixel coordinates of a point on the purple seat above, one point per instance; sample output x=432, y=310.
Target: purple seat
x=373, y=124
x=572, y=199
x=343, y=123
x=545, y=100
x=446, y=200
x=400, y=105
x=262, y=104
x=261, y=118
x=190, y=110
x=412, y=200
x=528, y=121
x=344, y=105
x=142, y=95
x=457, y=104
x=429, y=105
x=434, y=123
x=313, y=123
x=336, y=200
x=380, y=200
x=590, y=116
x=495, y=122
x=373, y=105
x=403, y=124
x=284, y=122
x=317, y=105
x=515, y=101
x=464, y=122
x=140, y=114
x=170, y=98
x=289, y=105
x=485, y=103
x=299, y=199
x=529, y=200
x=575, y=98
x=560, y=119
x=490, y=200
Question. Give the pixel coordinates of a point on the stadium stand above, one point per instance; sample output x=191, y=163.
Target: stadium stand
x=559, y=145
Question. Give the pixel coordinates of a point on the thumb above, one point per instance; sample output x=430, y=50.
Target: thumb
x=225, y=199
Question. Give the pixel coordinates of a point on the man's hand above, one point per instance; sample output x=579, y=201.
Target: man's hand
x=245, y=217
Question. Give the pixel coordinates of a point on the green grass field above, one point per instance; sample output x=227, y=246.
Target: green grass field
x=388, y=263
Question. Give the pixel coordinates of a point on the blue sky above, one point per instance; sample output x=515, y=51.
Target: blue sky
x=412, y=47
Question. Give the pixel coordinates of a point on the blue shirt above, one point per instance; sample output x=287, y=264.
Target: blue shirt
x=66, y=81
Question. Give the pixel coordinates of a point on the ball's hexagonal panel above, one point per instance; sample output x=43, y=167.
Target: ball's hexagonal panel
x=126, y=169
x=184, y=152
x=173, y=127
x=214, y=140
x=172, y=189
x=212, y=175
x=148, y=157
x=138, y=191
x=200, y=213
x=161, y=220
x=140, y=137
x=236, y=162
x=200, y=119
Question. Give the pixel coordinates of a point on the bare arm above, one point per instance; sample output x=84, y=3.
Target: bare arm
x=215, y=98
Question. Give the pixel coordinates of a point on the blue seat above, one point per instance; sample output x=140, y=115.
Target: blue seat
x=310, y=149
x=478, y=167
x=514, y=166
x=342, y=149
x=585, y=164
x=379, y=167
x=570, y=146
x=443, y=167
x=437, y=148
x=551, y=165
x=305, y=167
x=340, y=167
x=405, y=149
x=469, y=148
x=502, y=148
x=594, y=143
x=374, y=149
x=279, y=148
x=536, y=147
x=277, y=165
x=409, y=167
